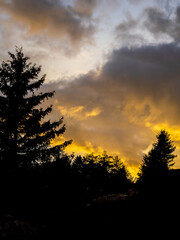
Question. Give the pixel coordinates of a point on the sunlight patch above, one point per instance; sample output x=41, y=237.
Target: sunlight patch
x=93, y=113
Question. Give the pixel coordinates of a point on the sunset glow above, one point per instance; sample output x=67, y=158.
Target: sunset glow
x=113, y=64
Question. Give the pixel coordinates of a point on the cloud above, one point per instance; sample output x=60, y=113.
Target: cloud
x=146, y=66
x=85, y=8
x=134, y=1
x=95, y=112
x=127, y=25
x=159, y=23
x=126, y=32
x=120, y=108
x=51, y=18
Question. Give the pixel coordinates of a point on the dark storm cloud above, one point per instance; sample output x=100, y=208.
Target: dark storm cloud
x=117, y=107
x=149, y=71
x=146, y=66
x=52, y=18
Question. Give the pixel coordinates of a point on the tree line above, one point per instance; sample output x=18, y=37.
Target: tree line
x=37, y=177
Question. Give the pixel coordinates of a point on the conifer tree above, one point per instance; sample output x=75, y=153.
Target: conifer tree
x=25, y=136
x=159, y=159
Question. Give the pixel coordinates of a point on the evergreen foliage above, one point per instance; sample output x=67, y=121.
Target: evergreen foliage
x=159, y=159
x=25, y=136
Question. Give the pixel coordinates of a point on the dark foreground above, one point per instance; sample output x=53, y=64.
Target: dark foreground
x=139, y=211
x=127, y=214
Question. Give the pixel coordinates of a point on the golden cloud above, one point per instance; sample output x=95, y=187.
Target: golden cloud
x=122, y=108
x=78, y=112
x=93, y=113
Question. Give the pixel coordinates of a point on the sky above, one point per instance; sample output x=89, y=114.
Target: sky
x=114, y=64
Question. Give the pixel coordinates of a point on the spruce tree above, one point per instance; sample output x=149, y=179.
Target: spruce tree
x=25, y=136
x=159, y=159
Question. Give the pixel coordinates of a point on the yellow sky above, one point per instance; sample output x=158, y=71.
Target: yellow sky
x=133, y=157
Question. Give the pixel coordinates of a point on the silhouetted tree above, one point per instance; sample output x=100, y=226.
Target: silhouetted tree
x=25, y=136
x=159, y=159
x=100, y=174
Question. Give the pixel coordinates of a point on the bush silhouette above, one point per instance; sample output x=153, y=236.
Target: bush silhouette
x=101, y=174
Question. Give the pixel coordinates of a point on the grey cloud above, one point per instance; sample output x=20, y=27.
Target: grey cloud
x=85, y=8
x=52, y=18
x=145, y=67
x=162, y=23
x=125, y=32
x=134, y=1
x=158, y=23
x=137, y=88
x=151, y=71
x=127, y=25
